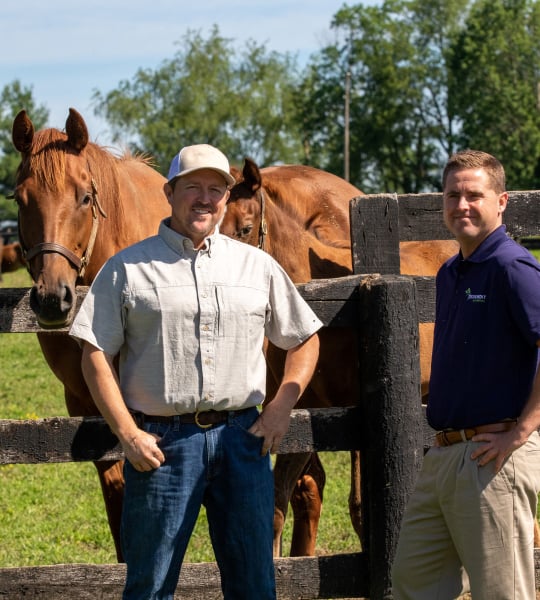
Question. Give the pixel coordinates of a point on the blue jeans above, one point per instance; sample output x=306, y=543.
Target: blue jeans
x=222, y=469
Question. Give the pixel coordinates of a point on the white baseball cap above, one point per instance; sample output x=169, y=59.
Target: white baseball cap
x=200, y=156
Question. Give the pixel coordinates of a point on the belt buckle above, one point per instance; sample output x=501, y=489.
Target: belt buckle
x=198, y=423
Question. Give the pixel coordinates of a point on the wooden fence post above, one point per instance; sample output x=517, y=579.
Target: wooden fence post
x=391, y=413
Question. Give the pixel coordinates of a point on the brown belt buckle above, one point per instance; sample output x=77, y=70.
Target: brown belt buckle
x=198, y=423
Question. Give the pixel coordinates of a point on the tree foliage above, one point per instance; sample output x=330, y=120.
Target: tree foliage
x=210, y=92
x=427, y=77
x=396, y=54
x=13, y=98
x=495, y=85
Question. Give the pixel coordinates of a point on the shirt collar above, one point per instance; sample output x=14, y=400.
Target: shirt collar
x=182, y=244
x=487, y=247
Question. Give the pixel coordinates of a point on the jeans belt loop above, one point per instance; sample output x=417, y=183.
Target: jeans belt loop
x=462, y=434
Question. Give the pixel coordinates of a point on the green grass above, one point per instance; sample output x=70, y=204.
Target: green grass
x=54, y=513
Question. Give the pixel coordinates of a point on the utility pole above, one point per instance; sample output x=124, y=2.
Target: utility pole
x=346, y=175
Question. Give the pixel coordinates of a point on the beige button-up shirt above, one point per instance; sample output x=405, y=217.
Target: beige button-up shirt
x=189, y=326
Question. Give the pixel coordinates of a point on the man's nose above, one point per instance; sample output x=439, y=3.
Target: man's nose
x=462, y=202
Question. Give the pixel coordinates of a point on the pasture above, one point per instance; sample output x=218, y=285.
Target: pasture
x=54, y=514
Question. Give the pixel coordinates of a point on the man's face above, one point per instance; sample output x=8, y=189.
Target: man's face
x=198, y=203
x=472, y=208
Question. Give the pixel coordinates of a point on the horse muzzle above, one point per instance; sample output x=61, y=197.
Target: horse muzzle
x=53, y=310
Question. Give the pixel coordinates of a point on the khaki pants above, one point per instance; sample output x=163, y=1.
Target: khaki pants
x=464, y=524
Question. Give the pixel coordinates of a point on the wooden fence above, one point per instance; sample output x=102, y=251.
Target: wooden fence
x=386, y=422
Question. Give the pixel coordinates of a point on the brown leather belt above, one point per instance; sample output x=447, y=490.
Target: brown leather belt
x=203, y=419
x=449, y=437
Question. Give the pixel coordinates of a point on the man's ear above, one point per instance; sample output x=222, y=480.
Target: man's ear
x=503, y=201
x=168, y=190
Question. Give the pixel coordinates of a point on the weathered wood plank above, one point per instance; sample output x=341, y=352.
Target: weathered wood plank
x=334, y=301
x=375, y=233
x=73, y=439
x=16, y=316
x=302, y=578
x=420, y=216
x=389, y=373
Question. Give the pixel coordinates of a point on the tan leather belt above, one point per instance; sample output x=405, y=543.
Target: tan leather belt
x=203, y=419
x=449, y=437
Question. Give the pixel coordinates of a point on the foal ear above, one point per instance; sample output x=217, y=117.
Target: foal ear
x=22, y=133
x=252, y=174
x=76, y=130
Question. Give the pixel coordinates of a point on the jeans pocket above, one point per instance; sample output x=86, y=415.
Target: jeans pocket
x=159, y=429
x=253, y=442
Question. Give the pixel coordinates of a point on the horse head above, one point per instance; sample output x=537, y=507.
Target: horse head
x=59, y=210
x=244, y=219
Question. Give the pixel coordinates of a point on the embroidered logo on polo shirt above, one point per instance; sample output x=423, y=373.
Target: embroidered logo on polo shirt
x=474, y=297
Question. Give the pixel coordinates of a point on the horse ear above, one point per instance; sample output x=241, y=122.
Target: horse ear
x=252, y=175
x=23, y=132
x=76, y=130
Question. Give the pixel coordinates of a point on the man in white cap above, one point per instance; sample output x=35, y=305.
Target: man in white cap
x=187, y=312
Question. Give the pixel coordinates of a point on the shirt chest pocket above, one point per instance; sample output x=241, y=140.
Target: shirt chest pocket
x=241, y=311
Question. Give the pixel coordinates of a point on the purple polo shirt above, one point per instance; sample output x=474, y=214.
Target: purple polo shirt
x=487, y=324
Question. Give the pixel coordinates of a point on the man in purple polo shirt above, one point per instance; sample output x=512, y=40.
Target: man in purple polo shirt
x=470, y=521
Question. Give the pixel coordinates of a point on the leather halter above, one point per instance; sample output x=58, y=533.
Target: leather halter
x=80, y=263
x=263, y=227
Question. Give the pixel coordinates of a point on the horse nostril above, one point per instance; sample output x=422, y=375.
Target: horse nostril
x=67, y=298
x=34, y=300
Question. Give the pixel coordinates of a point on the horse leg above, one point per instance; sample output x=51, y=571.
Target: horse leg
x=306, y=502
x=288, y=469
x=63, y=355
x=112, y=487
x=355, y=496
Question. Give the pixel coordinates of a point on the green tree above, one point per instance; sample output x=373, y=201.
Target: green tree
x=400, y=127
x=495, y=86
x=238, y=99
x=13, y=98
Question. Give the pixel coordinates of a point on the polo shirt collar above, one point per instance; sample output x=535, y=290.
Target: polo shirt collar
x=487, y=247
x=180, y=243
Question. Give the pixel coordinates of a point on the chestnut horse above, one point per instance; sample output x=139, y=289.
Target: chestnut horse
x=300, y=215
x=78, y=205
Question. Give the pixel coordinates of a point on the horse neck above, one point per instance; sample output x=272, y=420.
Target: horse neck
x=299, y=251
x=103, y=167
x=285, y=241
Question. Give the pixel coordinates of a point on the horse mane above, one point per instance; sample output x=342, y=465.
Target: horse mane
x=47, y=163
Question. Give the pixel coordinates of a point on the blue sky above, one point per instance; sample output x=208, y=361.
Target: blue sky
x=65, y=49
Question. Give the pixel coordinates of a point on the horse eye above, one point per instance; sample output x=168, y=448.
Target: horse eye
x=14, y=196
x=245, y=231
x=87, y=199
